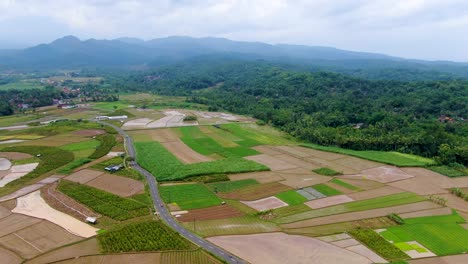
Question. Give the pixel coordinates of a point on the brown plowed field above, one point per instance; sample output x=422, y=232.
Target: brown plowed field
x=14, y=155
x=297, y=162
x=261, y=177
x=430, y=212
x=19, y=246
x=87, y=247
x=293, y=151
x=385, y=174
x=271, y=162
x=118, y=185
x=432, y=177
x=362, y=184
x=456, y=259
x=15, y=222
x=162, y=135
x=255, y=192
x=338, y=218
x=184, y=153
x=321, y=154
x=300, y=181
x=267, y=150
x=89, y=132
x=210, y=213
x=357, y=163
x=84, y=176
x=136, y=258
x=419, y=185
x=4, y=212
x=7, y=256
x=364, y=195
x=455, y=202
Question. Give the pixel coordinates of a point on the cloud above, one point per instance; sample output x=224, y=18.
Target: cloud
x=410, y=28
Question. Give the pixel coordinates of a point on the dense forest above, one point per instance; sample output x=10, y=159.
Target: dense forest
x=423, y=117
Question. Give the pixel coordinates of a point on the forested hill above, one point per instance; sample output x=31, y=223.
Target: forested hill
x=326, y=108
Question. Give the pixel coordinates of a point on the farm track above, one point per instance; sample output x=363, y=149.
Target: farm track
x=163, y=212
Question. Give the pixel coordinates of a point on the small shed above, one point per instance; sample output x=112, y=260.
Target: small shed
x=92, y=220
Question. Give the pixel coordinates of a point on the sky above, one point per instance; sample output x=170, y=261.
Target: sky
x=419, y=29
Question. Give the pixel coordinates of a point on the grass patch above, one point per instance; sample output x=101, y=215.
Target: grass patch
x=165, y=166
x=375, y=203
x=440, y=234
x=450, y=171
x=142, y=236
x=106, y=143
x=326, y=190
x=326, y=171
x=83, y=145
x=230, y=186
x=251, y=135
x=189, y=196
x=291, y=197
x=392, y=158
x=208, y=178
x=378, y=244
x=345, y=184
x=102, y=202
x=73, y=165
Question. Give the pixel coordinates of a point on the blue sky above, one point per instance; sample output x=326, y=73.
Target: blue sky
x=421, y=29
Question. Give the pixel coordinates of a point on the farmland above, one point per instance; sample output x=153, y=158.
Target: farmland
x=378, y=244
x=189, y=196
x=291, y=197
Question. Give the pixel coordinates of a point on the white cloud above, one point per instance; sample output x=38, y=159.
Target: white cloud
x=395, y=27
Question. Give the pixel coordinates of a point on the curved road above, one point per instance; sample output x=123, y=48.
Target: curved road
x=162, y=210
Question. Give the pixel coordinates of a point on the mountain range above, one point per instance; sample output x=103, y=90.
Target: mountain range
x=71, y=53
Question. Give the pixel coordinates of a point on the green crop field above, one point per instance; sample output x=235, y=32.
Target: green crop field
x=102, y=202
x=291, y=210
x=203, y=144
x=106, y=143
x=440, y=234
x=229, y=186
x=142, y=236
x=345, y=184
x=326, y=172
x=326, y=190
x=392, y=158
x=189, y=196
x=378, y=244
x=89, y=144
x=14, y=119
x=165, y=166
x=252, y=135
x=231, y=226
x=379, y=202
x=67, y=169
x=450, y=171
x=291, y=197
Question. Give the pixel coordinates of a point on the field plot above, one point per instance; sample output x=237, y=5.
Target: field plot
x=56, y=141
x=265, y=204
x=329, y=201
x=33, y=205
x=374, y=193
x=378, y=244
x=9, y=257
x=261, y=177
x=231, y=226
x=189, y=196
x=16, y=172
x=118, y=185
x=230, y=186
x=86, y=247
x=255, y=192
x=282, y=248
x=184, y=153
x=89, y=132
x=440, y=234
x=84, y=176
x=455, y=259
x=83, y=145
x=193, y=257
x=272, y=162
x=15, y=155
x=116, y=258
x=210, y=213
x=326, y=190
x=291, y=197
x=386, y=174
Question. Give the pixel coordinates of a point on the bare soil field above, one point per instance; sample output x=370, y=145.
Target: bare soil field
x=346, y=243
x=400, y=209
x=357, y=163
x=363, y=184
x=455, y=259
x=65, y=204
x=374, y=193
x=419, y=185
x=9, y=257
x=87, y=247
x=210, y=213
x=294, y=151
x=136, y=258
x=333, y=165
x=136, y=123
x=302, y=180
x=15, y=155
x=5, y=164
x=89, y=132
x=272, y=162
x=184, y=153
x=455, y=202
x=366, y=252
x=265, y=204
x=430, y=212
x=436, y=178
x=282, y=248
x=321, y=154
x=84, y=176
x=269, y=150
x=55, y=141
x=22, y=191
x=329, y=201
x=297, y=162
x=33, y=205
x=21, y=247
x=385, y=174
x=15, y=222
x=255, y=192
x=16, y=172
x=118, y=185
x=4, y=211
x=261, y=177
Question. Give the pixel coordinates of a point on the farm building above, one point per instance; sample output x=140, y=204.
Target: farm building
x=114, y=168
x=118, y=117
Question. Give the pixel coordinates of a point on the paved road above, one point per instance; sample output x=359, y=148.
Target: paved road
x=162, y=210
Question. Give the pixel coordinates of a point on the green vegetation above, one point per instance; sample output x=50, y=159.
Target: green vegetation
x=459, y=193
x=190, y=118
x=142, y=236
x=230, y=186
x=107, y=142
x=208, y=178
x=89, y=144
x=125, y=172
x=201, y=143
x=326, y=190
x=73, y=165
x=291, y=210
x=121, y=112
x=396, y=218
x=250, y=135
x=189, y=196
x=326, y=172
x=450, y=171
x=440, y=234
x=378, y=244
x=345, y=184
x=104, y=203
x=403, y=246
x=165, y=166
x=291, y=197
x=379, y=202
x=51, y=158
x=392, y=158
x=231, y=226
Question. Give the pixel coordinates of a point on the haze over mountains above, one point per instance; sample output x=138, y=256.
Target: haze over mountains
x=70, y=53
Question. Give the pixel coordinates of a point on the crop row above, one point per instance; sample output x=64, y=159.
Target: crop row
x=107, y=142
x=378, y=244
